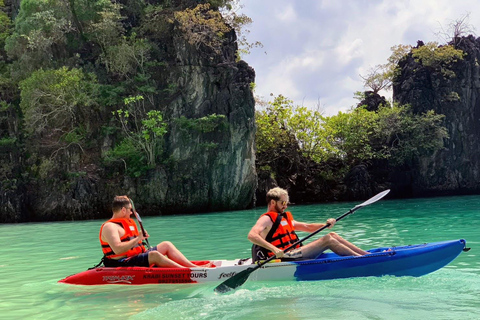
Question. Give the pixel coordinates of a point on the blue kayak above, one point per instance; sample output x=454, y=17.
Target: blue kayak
x=411, y=260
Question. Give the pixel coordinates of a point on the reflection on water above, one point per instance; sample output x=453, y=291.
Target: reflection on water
x=367, y=298
x=43, y=253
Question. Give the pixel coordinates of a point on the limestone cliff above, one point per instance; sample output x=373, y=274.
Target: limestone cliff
x=200, y=169
x=214, y=170
x=456, y=169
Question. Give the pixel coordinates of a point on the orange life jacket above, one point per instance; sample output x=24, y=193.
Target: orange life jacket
x=282, y=235
x=131, y=232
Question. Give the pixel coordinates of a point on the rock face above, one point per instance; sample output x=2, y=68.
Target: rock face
x=456, y=169
x=372, y=101
x=201, y=169
x=211, y=170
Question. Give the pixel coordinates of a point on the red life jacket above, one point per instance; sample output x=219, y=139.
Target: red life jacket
x=131, y=232
x=282, y=235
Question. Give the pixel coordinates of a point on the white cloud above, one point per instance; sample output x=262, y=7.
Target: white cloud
x=350, y=50
x=316, y=49
x=286, y=14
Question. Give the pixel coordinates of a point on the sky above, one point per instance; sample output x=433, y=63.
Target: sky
x=314, y=51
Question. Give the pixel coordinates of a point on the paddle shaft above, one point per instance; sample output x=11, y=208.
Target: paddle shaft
x=141, y=224
x=143, y=230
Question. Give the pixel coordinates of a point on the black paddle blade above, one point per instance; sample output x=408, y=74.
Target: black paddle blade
x=235, y=281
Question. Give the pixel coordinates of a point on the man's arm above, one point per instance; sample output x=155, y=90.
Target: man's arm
x=312, y=227
x=259, y=231
x=110, y=235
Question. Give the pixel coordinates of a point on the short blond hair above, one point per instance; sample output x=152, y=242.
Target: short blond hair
x=276, y=194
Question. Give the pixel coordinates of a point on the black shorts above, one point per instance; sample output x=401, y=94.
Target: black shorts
x=140, y=260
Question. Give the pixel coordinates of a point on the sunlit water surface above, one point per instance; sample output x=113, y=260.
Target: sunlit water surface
x=36, y=255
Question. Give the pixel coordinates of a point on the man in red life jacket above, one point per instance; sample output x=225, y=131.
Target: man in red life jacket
x=122, y=243
x=275, y=231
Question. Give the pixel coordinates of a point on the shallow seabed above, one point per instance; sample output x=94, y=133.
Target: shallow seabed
x=37, y=255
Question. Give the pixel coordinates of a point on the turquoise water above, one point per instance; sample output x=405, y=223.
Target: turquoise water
x=36, y=255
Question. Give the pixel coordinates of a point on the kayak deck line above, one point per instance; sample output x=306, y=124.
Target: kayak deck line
x=411, y=260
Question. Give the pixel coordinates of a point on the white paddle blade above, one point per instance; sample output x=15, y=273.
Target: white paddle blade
x=373, y=199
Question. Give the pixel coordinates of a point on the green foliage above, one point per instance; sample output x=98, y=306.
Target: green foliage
x=44, y=170
x=131, y=155
x=103, y=22
x=239, y=23
x=359, y=95
x=38, y=26
x=306, y=125
x=77, y=174
x=282, y=124
x=438, y=57
x=47, y=32
x=157, y=22
x=378, y=78
x=41, y=27
x=197, y=130
x=405, y=136
x=110, y=95
x=381, y=76
x=153, y=126
x=357, y=136
x=7, y=142
x=273, y=125
x=57, y=99
x=216, y=4
x=208, y=145
x=202, y=125
x=5, y=25
x=452, y=96
x=77, y=135
x=429, y=55
x=349, y=134
x=393, y=133
x=143, y=132
x=128, y=58
x=203, y=26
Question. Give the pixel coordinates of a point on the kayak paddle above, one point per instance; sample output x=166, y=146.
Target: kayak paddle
x=240, y=278
x=140, y=223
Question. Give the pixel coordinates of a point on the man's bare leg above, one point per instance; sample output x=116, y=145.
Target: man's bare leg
x=349, y=244
x=333, y=242
x=167, y=248
x=159, y=260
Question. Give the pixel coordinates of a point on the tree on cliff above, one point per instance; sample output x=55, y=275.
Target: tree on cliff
x=381, y=76
x=457, y=30
x=431, y=55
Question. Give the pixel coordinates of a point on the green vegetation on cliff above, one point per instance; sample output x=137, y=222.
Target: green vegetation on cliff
x=75, y=60
x=93, y=91
x=431, y=55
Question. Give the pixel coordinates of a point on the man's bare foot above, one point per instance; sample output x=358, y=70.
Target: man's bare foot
x=208, y=265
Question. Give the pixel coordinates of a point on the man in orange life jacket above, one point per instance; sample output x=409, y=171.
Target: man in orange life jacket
x=122, y=243
x=275, y=231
